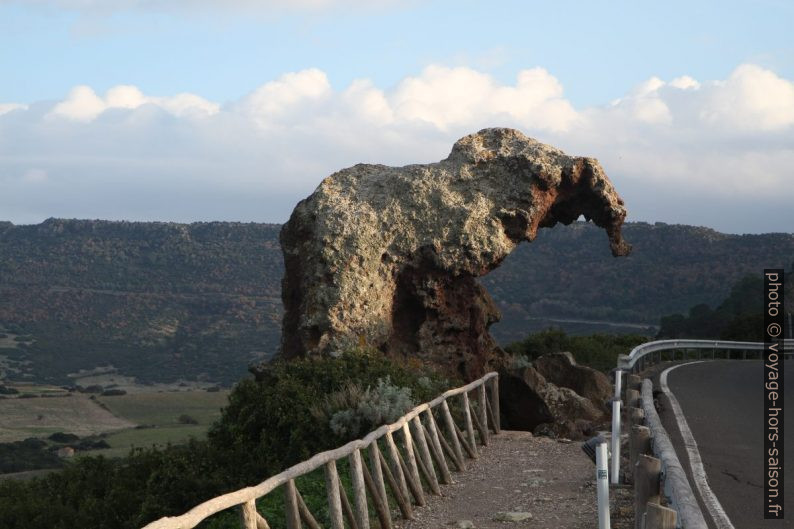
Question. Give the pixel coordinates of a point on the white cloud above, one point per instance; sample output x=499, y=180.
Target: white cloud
x=126, y=154
x=751, y=99
x=451, y=97
x=8, y=107
x=83, y=104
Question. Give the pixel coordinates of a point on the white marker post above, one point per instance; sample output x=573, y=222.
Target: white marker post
x=602, y=486
x=616, y=427
x=615, y=441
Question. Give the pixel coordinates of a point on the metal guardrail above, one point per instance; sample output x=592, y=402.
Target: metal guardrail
x=426, y=455
x=676, y=485
x=638, y=354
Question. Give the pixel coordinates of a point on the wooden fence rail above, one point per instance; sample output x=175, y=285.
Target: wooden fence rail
x=428, y=452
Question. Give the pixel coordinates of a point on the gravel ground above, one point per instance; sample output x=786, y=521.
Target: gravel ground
x=552, y=480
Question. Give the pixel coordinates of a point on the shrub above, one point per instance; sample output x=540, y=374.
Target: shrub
x=352, y=411
x=599, y=351
x=61, y=437
x=186, y=419
x=269, y=425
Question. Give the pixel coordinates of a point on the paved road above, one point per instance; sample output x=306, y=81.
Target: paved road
x=723, y=405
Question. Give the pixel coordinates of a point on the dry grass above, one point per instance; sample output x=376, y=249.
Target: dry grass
x=39, y=417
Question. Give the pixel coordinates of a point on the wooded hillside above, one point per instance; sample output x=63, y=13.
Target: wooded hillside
x=161, y=301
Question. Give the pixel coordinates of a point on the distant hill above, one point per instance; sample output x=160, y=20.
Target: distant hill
x=568, y=273
x=157, y=301
x=161, y=301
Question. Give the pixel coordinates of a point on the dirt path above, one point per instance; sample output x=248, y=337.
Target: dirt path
x=517, y=473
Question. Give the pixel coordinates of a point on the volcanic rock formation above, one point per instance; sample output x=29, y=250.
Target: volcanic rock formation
x=389, y=256
x=562, y=370
x=553, y=396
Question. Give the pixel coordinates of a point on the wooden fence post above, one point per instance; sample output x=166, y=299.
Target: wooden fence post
x=380, y=501
x=412, y=467
x=250, y=518
x=424, y=455
x=469, y=424
x=396, y=467
x=646, y=485
x=377, y=471
x=334, y=500
x=359, y=491
x=402, y=498
x=292, y=511
x=305, y=513
x=452, y=430
x=497, y=420
x=482, y=399
x=438, y=451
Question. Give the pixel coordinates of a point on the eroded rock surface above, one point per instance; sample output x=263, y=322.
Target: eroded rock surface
x=528, y=401
x=562, y=370
x=389, y=256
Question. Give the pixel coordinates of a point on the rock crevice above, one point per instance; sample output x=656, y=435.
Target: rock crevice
x=390, y=256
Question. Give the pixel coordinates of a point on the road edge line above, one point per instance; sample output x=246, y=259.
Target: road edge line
x=716, y=512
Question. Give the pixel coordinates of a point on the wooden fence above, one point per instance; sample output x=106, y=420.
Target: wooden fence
x=428, y=452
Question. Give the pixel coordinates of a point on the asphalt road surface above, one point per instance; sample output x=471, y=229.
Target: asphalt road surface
x=722, y=402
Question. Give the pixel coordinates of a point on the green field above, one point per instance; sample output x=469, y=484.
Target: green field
x=164, y=408
x=41, y=416
x=134, y=420
x=157, y=415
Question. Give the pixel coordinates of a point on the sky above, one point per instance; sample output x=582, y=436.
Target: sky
x=176, y=110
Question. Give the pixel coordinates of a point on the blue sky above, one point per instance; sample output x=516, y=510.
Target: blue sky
x=235, y=110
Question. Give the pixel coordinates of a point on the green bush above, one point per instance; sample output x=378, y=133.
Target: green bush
x=352, y=411
x=599, y=351
x=269, y=425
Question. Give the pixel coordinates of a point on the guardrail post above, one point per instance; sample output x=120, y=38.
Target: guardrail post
x=646, y=486
x=632, y=397
x=658, y=517
x=639, y=443
x=634, y=418
x=602, y=486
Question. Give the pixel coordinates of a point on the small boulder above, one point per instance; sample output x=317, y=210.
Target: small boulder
x=464, y=524
x=562, y=370
x=529, y=402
